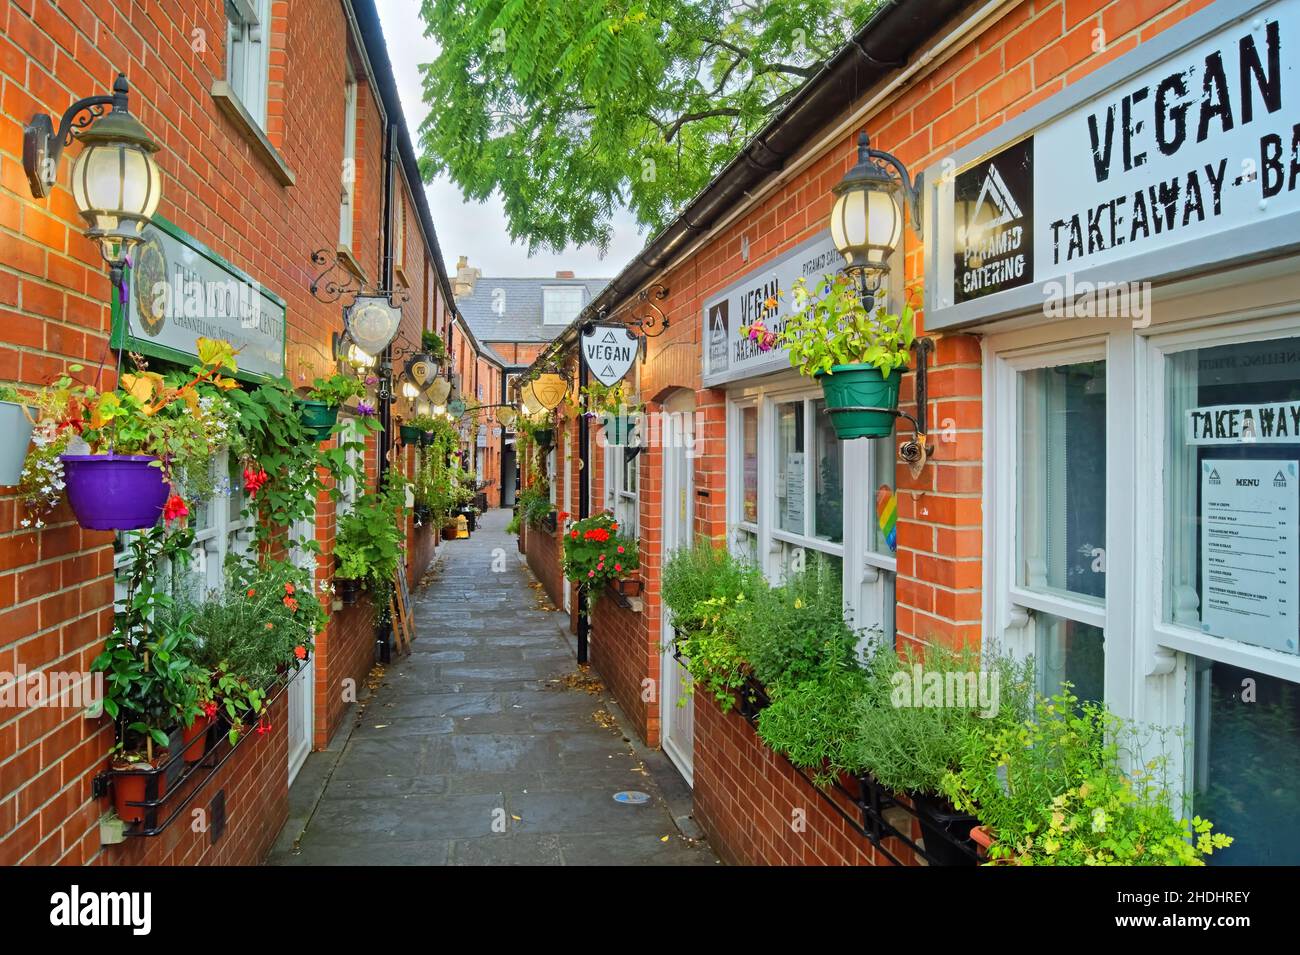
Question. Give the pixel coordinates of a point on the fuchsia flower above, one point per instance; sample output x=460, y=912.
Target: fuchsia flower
x=175, y=509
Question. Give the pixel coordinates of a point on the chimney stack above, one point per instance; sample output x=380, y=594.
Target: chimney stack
x=466, y=278
x=565, y=275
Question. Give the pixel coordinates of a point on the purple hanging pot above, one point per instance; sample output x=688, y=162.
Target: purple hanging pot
x=115, y=492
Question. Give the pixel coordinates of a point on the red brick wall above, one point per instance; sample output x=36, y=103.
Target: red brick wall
x=758, y=810
x=542, y=549
x=624, y=656
x=56, y=585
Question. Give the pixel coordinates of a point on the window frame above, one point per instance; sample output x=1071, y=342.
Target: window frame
x=348, y=186
x=248, y=24
x=581, y=291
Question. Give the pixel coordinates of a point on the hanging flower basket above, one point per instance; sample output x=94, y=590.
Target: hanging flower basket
x=347, y=589
x=115, y=492
x=545, y=437
x=860, y=400
x=427, y=439
x=318, y=417
x=15, y=435
x=410, y=435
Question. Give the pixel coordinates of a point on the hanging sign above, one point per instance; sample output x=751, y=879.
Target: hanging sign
x=549, y=390
x=763, y=294
x=1249, y=556
x=609, y=351
x=180, y=291
x=421, y=368
x=456, y=407
x=1269, y=423
x=1161, y=164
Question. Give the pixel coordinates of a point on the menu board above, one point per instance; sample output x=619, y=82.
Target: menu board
x=1249, y=556
x=793, y=488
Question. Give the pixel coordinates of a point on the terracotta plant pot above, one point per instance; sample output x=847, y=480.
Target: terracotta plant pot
x=132, y=785
x=630, y=586
x=195, y=739
x=449, y=532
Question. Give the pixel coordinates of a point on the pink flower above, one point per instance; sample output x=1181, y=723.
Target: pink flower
x=618, y=566
x=620, y=548
x=591, y=573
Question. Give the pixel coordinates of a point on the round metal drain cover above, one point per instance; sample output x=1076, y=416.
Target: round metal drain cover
x=632, y=797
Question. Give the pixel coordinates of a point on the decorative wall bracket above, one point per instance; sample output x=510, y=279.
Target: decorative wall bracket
x=325, y=288
x=915, y=452
x=653, y=322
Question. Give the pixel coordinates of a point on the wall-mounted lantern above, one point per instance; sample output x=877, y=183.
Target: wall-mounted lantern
x=867, y=218
x=116, y=183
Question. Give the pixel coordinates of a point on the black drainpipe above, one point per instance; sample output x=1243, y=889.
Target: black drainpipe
x=383, y=633
x=584, y=501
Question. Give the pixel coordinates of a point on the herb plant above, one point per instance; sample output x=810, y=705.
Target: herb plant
x=830, y=327
x=337, y=390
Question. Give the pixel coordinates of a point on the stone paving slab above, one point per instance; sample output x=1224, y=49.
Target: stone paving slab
x=483, y=746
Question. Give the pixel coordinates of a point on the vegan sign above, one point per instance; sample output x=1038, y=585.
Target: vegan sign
x=609, y=351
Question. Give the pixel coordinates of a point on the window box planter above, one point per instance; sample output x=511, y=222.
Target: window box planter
x=946, y=831
x=115, y=492
x=861, y=401
x=16, y=429
x=140, y=782
x=196, y=739
x=410, y=435
x=629, y=586
x=318, y=417
x=752, y=699
x=551, y=522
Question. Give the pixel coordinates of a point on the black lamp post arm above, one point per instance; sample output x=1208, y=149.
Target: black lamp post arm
x=911, y=189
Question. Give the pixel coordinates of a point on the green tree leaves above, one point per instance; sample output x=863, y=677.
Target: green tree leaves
x=572, y=109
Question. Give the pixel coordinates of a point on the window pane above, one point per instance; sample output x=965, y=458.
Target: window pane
x=828, y=515
x=631, y=468
x=883, y=537
x=1232, y=478
x=1247, y=763
x=1067, y=651
x=749, y=445
x=1062, y=520
x=790, y=491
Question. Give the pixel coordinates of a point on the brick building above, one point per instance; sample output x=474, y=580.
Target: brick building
x=1062, y=510
x=514, y=319
x=281, y=135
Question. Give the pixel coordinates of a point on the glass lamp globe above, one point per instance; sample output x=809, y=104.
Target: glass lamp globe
x=867, y=218
x=116, y=183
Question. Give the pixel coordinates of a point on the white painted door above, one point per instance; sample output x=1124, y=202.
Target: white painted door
x=301, y=696
x=567, y=476
x=677, y=720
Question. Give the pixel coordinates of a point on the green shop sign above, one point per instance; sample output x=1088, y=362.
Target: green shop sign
x=180, y=291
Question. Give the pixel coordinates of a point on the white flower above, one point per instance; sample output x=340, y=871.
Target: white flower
x=25, y=522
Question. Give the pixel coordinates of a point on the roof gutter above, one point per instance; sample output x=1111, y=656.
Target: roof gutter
x=883, y=45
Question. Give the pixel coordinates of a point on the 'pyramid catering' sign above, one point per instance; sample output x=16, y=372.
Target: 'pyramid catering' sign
x=609, y=351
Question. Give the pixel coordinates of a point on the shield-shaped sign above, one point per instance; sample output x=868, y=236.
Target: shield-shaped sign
x=550, y=390
x=609, y=351
x=421, y=368
x=438, y=391
x=456, y=407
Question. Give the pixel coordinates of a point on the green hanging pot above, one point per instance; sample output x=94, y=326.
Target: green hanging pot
x=620, y=429
x=860, y=400
x=410, y=435
x=318, y=417
x=545, y=437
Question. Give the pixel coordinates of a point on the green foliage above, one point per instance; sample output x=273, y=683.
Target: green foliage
x=570, y=110
x=368, y=542
x=433, y=344
x=595, y=554
x=911, y=744
x=709, y=650
x=830, y=327
x=146, y=664
x=534, y=504
x=792, y=633
x=267, y=616
x=9, y=393
x=1054, y=790
x=814, y=723
x=609, y=399
x=337, y=390
x=695, y=575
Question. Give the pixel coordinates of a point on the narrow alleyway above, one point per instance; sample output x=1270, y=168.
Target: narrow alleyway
x=486, y=745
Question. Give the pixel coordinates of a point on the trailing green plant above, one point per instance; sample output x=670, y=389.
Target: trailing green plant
x=337, y=390
x=535, y=504
x=368, y=541
x=286, y=470
x=813, y=723
x=423, y=422
x=596, y=554
x=912, y=723
x=791, y=633
x=599, y=398
x=1072, y=786
x=146, y=664
x=830, y=327
x=10, y=393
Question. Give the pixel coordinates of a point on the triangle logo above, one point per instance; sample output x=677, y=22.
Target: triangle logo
x=1003, y=207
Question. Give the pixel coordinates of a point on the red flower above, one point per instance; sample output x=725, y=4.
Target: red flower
x=618, y=566
x=288, y=588
x=209, y=709
x=620, y=548
x=563, y=514
x=291, y=603
x=263, y=726
x=253, y=480
x=575, y=535
x=300, y=652
x=252, y=592
x=175, y=509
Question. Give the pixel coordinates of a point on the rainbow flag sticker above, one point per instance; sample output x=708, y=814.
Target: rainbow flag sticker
x=887, y=515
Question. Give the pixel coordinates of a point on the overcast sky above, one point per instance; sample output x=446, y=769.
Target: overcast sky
x=468, y=228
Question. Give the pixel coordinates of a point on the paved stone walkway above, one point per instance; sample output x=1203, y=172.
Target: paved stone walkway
x=486, y=745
